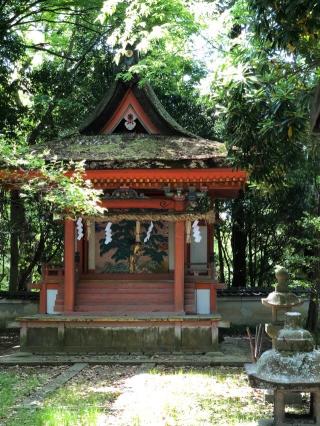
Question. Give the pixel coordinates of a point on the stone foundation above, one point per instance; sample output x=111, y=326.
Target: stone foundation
x=87, y=334
x=10, y=309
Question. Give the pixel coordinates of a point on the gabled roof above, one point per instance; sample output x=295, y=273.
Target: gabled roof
x=145, y=96
x=131, y=128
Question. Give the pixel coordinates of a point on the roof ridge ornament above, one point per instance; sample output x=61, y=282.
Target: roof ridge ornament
x=130, y=118
x=129, y=58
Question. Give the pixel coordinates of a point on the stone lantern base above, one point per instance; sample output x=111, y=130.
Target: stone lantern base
x=282, y=392
x=311, y=418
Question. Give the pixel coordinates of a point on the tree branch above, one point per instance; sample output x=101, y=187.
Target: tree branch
x=35, y=21
x=51, y=52
x=55, y=9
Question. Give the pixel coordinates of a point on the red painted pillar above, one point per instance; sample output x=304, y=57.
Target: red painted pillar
x=69, y=267
x=179, y=266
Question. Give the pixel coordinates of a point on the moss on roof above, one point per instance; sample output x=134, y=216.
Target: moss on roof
x=131, y=147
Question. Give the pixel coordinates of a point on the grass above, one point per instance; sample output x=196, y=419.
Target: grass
x=16, y=383
x=125, y=396
x=55, y=417
x=76, y=403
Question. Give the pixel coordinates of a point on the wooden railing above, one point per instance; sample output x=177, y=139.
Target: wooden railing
x=52, y=274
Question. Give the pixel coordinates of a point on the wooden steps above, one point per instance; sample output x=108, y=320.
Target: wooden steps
x=126, y=296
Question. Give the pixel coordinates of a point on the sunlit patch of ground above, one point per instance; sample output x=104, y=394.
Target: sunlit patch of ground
x=130, y=396
x=189, y=397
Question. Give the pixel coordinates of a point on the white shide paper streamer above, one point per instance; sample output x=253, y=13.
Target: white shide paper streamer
x=196, y=231
x=108, y=233
x=147, y=238
x=79, y=225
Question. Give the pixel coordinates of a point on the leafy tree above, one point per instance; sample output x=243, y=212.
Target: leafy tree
x=293, y=27
x=64, y=34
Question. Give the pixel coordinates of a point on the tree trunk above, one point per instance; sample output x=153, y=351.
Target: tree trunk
x=250, y=257
x=313, y=311
x=220, y=255
x=15, y=221
x=312, y=319
x=239, y=244
x=26, y=273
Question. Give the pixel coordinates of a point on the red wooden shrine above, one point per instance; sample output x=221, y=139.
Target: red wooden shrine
x=150, y=170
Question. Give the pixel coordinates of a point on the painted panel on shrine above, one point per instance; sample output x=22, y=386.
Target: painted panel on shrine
x=123, y=254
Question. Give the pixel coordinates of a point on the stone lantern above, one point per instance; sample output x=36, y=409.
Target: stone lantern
x=292, y=366
x=280, y=301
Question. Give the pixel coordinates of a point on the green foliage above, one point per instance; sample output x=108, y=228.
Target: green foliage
x=72, y=194
x=261, y=93
x=142, y=24
x=289, y=24
x=55, y=65
x=301, y=254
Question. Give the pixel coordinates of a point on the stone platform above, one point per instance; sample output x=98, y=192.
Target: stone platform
x=232, y=352
x=120, y=334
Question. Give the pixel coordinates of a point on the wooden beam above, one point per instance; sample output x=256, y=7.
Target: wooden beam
x=143, y=203
x=224, y=181
x=164, y=176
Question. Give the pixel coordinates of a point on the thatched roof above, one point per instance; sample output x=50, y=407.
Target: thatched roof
x=139, y=150
x=172, y=147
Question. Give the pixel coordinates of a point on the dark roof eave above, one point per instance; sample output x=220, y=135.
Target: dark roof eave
x=214, y=162
x=146, y=95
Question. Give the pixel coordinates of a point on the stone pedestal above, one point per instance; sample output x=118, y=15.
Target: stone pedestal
x=283, y=419
x=291, y=368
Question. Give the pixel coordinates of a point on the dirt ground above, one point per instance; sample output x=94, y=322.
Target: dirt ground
x=129, y=395
x=135, y=395
x=9, y=341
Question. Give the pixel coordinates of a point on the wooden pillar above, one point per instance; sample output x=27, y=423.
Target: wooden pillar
x=171, y=246
x=179, y=266
x=69, y=266
x=92, y=248
x=43, y=298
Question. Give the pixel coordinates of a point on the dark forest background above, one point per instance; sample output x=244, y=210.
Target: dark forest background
x=244, y=72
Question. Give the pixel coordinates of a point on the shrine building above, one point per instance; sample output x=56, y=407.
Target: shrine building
x=140, y=277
